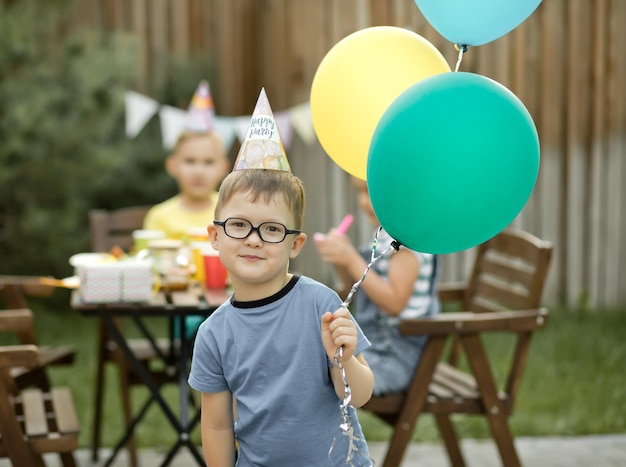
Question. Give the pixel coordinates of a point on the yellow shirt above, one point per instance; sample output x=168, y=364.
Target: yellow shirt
x=170, y=217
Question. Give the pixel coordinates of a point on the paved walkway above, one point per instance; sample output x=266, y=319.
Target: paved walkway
x=585, y=451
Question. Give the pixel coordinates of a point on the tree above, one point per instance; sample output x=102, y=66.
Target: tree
x=63, y=149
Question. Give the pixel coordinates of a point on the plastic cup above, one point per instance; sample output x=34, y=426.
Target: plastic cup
x=142, y=238
x=197, y=248
x=215, y=274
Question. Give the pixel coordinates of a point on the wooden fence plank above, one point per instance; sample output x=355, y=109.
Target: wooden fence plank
x=528, y=88
x=517, y=80
x=550, y=181
x=598, y=199
x=139, y=27
x=180, y=19
x=158, y=45
x=615, y=155
x=619, y=14
x=575, y=266
x=120, y=15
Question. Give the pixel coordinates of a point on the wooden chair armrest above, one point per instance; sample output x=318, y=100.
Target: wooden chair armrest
x=19, y=280
x=17, y=320
x=451, y=291
x=467, y=322
x=19, y=356
x=30, y=285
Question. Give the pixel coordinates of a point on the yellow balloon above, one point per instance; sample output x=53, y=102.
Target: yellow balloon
x=357, y=81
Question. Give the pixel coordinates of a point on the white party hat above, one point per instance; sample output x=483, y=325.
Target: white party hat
x=262, y=147
x=201, y=111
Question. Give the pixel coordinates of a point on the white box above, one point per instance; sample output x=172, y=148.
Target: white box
x=121, y=281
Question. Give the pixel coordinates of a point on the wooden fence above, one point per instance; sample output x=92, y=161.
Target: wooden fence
x=567, y=63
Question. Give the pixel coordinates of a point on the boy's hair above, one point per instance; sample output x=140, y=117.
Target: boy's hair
x=212, y=135
x=265, y=184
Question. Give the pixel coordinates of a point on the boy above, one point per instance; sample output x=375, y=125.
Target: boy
x=198, y=163
x=271, y=346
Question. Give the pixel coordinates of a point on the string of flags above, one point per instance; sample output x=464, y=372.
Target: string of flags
x=140, y=109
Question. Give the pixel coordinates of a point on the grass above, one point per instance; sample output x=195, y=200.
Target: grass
x=574, y=382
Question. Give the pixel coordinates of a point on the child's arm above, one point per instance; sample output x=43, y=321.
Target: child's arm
x=218, y=438
x=337, y=250
x=391, y=295
x=338, y=329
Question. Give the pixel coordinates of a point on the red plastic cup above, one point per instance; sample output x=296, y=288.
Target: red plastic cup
x=215, y=273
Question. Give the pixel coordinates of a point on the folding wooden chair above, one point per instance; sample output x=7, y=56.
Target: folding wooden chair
x=111, y=229
x=32, y=421
x=13, y=292
x=502, y=295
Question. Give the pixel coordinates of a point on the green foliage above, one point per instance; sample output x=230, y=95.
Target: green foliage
x=61, y=105
x=574, y=382
x=63, y=148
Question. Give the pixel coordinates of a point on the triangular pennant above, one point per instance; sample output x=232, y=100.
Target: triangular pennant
x=302, y=122
x=241, y=127
x=173, y=122
x=283, y=122
x=139, y=109
x=226, y=127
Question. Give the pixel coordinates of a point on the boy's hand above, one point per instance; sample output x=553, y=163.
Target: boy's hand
x=338, y=330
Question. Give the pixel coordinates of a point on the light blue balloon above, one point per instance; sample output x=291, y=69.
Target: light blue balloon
x=452, y=162
x=475, y=22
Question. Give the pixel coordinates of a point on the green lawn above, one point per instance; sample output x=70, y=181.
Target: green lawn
x=575, y=380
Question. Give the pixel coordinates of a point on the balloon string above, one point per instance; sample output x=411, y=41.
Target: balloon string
x=461, y=49
x=395, y=245
x=346, y=425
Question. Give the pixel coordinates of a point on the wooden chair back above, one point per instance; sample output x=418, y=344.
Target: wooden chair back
x=502, y=295
x=32, y=421
x=114, y=228
x=13, y=292
x=509, y=273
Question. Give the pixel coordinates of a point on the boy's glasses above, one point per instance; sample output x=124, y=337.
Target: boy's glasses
x=269, y=232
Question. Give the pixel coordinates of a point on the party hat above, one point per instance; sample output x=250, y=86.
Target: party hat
x=201, y=110
x=262, y=147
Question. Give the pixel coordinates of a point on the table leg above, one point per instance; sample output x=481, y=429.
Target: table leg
x=129, y=431
x=182, y=426
x=142, y=371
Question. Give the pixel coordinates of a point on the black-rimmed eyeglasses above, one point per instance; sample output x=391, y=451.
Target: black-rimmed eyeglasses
x=269, y=232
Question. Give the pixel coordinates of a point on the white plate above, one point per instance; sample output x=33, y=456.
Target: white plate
x=82, y=259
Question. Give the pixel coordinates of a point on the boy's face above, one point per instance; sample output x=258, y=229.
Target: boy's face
x=198, y=167
x=364, y=199
x=260, y=267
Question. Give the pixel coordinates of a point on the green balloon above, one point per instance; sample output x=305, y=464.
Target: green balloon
x=452, y=162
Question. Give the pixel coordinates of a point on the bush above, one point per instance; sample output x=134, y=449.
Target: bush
x=63, y=147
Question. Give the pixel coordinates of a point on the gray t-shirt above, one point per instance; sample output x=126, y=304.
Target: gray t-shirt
x=269, y=354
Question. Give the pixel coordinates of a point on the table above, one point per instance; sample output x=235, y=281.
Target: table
x=173, y=305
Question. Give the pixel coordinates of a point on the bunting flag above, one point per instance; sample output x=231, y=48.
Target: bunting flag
x=285, y=128
x=226, y=128
x=139, y=109
x=302, y=123
x=173, y=122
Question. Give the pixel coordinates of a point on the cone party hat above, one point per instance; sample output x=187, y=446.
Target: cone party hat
x=201, y=110
x=262, y=147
